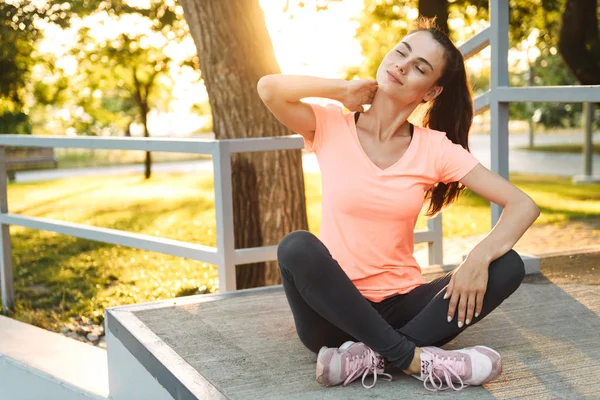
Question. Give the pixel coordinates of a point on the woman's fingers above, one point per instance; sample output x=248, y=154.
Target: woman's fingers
x=470, y=307
x=462, y=307
x=449, y=289
x=479, y=304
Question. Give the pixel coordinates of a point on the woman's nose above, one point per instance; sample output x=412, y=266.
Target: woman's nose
x=401, y=67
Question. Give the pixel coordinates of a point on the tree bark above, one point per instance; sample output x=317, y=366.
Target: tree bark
x=579, y=41
x=235, y=51
x=141, y=98
x=435, y=8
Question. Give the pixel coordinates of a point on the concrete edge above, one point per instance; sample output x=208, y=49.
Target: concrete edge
x=171, y=371
x=54, y=357
x=5, y=361
x=200, y=298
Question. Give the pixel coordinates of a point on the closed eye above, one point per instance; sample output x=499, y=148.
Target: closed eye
x=418, y=69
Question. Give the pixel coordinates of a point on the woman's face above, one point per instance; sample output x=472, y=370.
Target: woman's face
x=410, y=71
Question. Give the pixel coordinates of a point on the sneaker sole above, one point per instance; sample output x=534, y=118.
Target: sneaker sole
x=322, y=369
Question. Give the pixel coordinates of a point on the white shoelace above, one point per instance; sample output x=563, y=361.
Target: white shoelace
x=365, y=364
x=448, y=366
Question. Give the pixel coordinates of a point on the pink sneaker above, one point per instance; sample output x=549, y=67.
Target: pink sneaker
x=348, y=363
x=469, y=366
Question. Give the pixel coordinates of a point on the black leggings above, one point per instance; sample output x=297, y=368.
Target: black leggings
x=329, y=310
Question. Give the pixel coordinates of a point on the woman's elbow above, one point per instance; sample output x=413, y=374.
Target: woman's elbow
x=534, y=209
x=264, y=87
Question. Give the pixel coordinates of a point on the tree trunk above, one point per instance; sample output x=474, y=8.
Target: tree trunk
x=235, y=51
x=148, y=160
x=435, y=8
x=579, y=42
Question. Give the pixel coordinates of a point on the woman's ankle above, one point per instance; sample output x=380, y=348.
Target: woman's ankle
x=415, y=365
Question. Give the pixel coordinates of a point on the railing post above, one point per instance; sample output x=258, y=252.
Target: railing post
x=499, y=17
x=6, y=276
x=224, y=214
x=436, y=250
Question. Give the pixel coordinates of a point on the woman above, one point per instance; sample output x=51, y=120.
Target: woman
x=358, y=285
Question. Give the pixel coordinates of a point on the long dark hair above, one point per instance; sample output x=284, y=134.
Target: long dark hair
x=450, y=112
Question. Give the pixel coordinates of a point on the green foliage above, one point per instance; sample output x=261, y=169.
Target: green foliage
x=547, y=70
x=121, y=78
x=19, y=35
x=15, y=122
x=105, y=94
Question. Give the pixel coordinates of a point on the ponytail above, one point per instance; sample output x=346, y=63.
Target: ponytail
x=450, y=112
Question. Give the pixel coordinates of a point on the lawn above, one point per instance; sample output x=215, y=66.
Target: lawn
x=57, y=277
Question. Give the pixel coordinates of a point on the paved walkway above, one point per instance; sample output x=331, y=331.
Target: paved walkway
x=519, y=161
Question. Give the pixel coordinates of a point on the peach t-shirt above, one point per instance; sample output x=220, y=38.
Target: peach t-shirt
x=369, y=214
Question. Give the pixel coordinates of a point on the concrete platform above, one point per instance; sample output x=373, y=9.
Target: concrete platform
x=244, y=346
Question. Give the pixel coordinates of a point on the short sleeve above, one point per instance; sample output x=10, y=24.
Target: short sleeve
x=323, y=116
x=453, y=161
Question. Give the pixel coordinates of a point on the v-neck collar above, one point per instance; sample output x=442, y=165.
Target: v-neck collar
x=377, y=169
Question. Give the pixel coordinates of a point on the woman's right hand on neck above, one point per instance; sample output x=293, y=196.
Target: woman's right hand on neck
x=359, y=92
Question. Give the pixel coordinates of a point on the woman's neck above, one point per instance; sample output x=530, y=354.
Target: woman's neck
x=386, y=119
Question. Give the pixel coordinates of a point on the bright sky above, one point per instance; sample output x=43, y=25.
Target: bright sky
x=314, y=43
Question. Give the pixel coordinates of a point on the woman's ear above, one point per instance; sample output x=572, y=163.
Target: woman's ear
x=433, y=93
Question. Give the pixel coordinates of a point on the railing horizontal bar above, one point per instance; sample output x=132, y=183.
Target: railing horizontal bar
x=482, y=102
x=269, y=253
x=264, y=144
x=113, y=236
x=172, y=145
x=424, y=236
x=561, y=94
x=255, y=254
x=475, y=44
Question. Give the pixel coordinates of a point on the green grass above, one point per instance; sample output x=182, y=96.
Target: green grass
x=57, y=276
x=562, y=148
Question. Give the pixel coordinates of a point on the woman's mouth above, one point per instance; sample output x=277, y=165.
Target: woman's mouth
x=393, y=78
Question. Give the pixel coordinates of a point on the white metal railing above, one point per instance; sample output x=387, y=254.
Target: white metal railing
x=501, y=94
x=224, y=255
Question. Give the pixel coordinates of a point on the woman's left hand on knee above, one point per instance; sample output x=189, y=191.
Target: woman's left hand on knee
x=466, y=291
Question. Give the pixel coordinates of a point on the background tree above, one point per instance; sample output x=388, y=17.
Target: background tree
x=120, y=73
x=19, y=35
x=580, y=40
x=268, y=188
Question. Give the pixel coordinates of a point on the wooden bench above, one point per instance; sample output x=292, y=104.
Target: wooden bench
x=28, y=158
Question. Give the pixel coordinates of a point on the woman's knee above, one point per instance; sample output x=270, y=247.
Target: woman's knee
x=294, y=245
x=509, y=270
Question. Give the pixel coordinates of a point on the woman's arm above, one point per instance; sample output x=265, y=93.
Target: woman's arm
x=467, y=286
x=519, y=213
x=282, y=93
